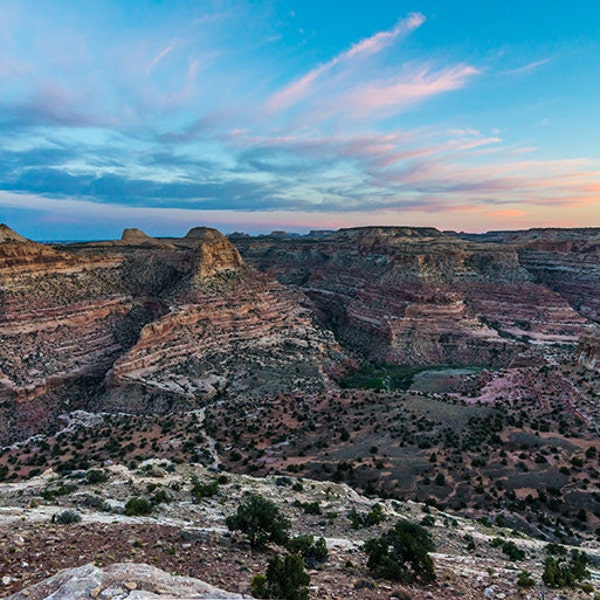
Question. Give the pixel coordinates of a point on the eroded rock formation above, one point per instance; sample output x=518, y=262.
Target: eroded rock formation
x=208, y=324
x=166, y=324
x=121, y=580
x=418, y=296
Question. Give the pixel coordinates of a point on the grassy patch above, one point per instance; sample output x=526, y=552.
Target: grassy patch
x=382, y=376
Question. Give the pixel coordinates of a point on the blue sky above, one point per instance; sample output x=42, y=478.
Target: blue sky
x=297, y=115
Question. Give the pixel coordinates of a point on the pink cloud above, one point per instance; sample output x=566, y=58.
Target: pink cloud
x=303, y=87
x=532, y=66
x=394, y=94
x=381, y=40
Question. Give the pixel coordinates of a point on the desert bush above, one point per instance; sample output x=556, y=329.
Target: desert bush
x=310, y=508
x=62, y=490
x=312, y=552
x=525, y=580
x=373, y=517
x=509, y=548
x=161, y=496
x=96, y=476
x=401, y=554
x=137, y=506
x=428, y=521
x=559, y=573
x=261, y=521
x=285, y=580
x=204, y=490
x=67, y=517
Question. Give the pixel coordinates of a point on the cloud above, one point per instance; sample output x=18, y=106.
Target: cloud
x=188, y=119
x=303, y=86
x=159, y=57
x=528, y=68
x=50, y=104
x=408, y=89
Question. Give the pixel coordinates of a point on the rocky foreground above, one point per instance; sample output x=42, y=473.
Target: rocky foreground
x=184, y=547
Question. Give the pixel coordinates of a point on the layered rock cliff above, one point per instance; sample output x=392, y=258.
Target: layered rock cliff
x=169, y=323
x=200, y=323
x=63, y=321
x=418, y=296
x=565, y=260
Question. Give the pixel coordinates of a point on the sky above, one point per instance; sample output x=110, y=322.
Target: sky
x=297, y=115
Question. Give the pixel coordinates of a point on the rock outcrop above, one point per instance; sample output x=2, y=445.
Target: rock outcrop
x=8, y=235
x=565, y=260
x=70, y=315
x=136, y=236
x=214, y=253
x=588, y=351
x=64, y=320
x=243, y=335
x=122, y=580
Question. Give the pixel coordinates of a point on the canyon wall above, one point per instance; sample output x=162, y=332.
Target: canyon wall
x=418, y=296
x=143, y=324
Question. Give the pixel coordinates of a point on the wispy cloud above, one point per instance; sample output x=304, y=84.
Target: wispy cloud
x=528, y=68
x=189, y=120
x=303, y=86
x=154, y=62
x=407, y=89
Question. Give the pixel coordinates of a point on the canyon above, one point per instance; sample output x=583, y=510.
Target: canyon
x=455, y=370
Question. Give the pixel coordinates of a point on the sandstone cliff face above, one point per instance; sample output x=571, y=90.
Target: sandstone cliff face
x=68, y=316
x=415, y=295
x=167, y=324
x=63, y=321
x=247, y=335
x=565, y=260
x=213, y=252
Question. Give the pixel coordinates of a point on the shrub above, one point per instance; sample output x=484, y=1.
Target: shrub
x=312, y=552
x=261, y=521
x=556, y=549
x=513, y=551
x=137, y=506
x=558, y=573
x=525, y=580
x=62, y=490
x=161, y=497
x=373, y=517
x=96, y=476
x=66, y=517
x=285, y=579
x=401, y=554
x=204, y=490
x=509, y=548
x=310, y=508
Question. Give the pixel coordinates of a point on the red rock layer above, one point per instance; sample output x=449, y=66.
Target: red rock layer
x=418, y=296
x=246, y=335
x=67, y=316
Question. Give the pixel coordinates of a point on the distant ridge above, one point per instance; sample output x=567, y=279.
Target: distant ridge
x=8, y=235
